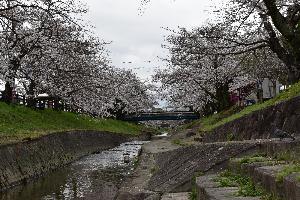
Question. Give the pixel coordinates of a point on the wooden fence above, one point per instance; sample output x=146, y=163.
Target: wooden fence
x=40, y=102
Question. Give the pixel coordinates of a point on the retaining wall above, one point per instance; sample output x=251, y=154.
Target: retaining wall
x=22, y=161
x=259, y=124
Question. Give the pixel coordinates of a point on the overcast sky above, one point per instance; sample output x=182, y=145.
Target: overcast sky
x=137, y=38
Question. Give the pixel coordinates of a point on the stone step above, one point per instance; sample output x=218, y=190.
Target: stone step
x=177, y=167
x=265, y=173
x=235, y=165
x=176, y=196
x=207, y=189
x=289, y=189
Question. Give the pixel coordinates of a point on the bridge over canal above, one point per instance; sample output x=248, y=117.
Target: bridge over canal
x=151, y=116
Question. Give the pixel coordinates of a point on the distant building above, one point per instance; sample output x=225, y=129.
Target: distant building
x=245, y=95
x=255, y=92
x=269, y=88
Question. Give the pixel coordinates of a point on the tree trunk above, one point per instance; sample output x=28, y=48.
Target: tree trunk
x=223, y=97
x=7, y=95
x=57, y=105
x=119, y=109
x=292, y=77
x=30, y=101
x=287, y=27
x=289, y=56
x=209, y=109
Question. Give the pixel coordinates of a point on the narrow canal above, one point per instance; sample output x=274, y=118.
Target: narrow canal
x=97, y=176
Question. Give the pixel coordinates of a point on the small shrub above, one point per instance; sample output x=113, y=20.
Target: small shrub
x=228, y=179
x=298, y=179
x=199, y=173
x=178, y=142
x=153, y=170
x=249, y=159
x=227, y=182
x=230, y=137
x=270, y=197
x=287, y=171
x=136, y=161
x=193, y=194
x=249, y=189
x=245, y=184
x=284, y=156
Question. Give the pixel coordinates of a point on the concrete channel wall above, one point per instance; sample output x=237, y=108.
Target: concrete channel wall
x=259, y=124
x=22, y=161
x=176, y=168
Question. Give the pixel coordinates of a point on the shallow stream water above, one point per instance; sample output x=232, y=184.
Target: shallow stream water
x=97, y=176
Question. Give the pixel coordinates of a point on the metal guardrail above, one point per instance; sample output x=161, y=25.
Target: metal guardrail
x=162, y=116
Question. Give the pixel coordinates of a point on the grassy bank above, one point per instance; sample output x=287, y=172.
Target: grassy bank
x=18, y=123
x=209, y=123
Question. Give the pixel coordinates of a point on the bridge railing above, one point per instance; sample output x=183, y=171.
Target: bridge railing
x=162, y=116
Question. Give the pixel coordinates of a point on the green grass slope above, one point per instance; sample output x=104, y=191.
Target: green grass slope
x=291, y=92
x=18, y=123
x=214, y=121
x=207, y=124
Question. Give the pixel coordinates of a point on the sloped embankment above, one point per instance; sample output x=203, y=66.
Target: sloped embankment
x=18, y=123
x=177, y=167
x=271, y=173
x=259, y=124
x=22, y=161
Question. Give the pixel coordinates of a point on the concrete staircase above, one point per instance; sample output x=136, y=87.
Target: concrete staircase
x=266, y=174
x=208, y=189
x=263, y=173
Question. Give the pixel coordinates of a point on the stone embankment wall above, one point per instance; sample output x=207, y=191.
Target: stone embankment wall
x=22, y=161
x=176, y=168
x=285, y=116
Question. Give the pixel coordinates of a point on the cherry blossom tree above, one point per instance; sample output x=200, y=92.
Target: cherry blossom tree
x=75, y=68
x=202, y=71
x=23, y=28
x=251, y=25
x=64, y=64
x=265, y=23
x=131, y=94
x=48, y=51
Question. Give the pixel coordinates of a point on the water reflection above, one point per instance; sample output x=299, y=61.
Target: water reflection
x=94, y=177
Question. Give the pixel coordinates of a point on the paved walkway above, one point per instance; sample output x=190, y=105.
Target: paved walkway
x=135, y=186
x=176, y=196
